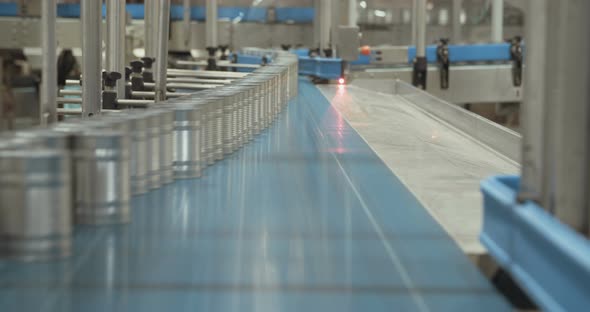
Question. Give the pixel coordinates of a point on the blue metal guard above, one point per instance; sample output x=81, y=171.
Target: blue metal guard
x=550, y=261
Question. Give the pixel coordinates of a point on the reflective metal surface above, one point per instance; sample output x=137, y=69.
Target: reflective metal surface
x=186, y=141
x=166, y=146
x=35, y=205
x=101, y=177
x=306, y=218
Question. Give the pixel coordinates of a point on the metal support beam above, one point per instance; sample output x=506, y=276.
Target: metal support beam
x=48, y=109
x=317, y=24
x=413, y=23
x=456, y=16
x=162, y=49
x=532, y=108
x=2, y=90
x=420, y=28
x=211, y=24
x=325, y=25
x=115, y=43
x=186, y=20
x=420, y=72
x=91, y=14
x=352, y=12
x=149, y=28
x=497, y=20
x=566, y=150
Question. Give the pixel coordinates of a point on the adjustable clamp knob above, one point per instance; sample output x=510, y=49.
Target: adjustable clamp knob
x=128, y=72
x=136, y=67
x=148, y=62
x=110, y=78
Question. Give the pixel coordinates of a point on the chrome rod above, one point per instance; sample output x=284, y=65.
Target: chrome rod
x=48, y=113
x=219, y=64
x=204, y=73
x=162, y=49
x=91, y=52
x=211, y=23
x=115, y=43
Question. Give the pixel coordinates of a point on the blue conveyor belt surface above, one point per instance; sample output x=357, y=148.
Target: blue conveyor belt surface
x=305, y=218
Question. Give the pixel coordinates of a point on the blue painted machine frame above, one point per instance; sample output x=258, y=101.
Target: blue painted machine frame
x=549, y=260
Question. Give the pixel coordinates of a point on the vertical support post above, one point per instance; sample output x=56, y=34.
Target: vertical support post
x=211, y=36
x=352, y=13
x=566, y=149
x=211, y=24
x=2, y=108
x=48, y=109
x=148, y=27
x=420, y=28
x=414, y=15
x=91, y=53
x=162, y=49
x=456, y=15
x=186, y=20
x=317, y=24
x=533, y=106
x=420, y=63
x=115, y=43
x=335, y=18
x=325, y=25
x=497, y=20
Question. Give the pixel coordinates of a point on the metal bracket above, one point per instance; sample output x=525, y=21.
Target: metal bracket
x=109, y=94
x=419, y=73
x=516, y=57
x=148, y=74
x=223, y=49
x=211, y=61
x=442, y=57
x=137, y=82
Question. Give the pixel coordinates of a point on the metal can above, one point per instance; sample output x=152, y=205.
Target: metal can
x=153, y=142
x=186, y=141
x=166, y=146
x=138, y=152
x=101, y=177
x=35, y=204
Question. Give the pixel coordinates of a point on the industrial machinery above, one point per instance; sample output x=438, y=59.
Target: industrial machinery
x=279, y=156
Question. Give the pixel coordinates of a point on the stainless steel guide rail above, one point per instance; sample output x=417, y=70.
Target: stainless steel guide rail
x=142, y=150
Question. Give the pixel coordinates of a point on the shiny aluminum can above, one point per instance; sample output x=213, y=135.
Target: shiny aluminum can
x=101, y=177
x=35, y=204
x=166, y=146
x=153, y=144
x=138, y=152
x=186, y=140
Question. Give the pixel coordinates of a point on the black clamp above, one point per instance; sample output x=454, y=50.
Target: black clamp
x=109, y=94
x=516, y=57
x=442, y=58
x=137, y=78
x=223, y=49
x=211, y=61
x=419, y=72
x=285, y=47
x=148, y=75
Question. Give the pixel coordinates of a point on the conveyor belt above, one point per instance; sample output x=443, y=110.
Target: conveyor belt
x=306, y=218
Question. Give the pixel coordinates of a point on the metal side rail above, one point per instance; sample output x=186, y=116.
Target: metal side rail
x=549, y=260
x=305, y=218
